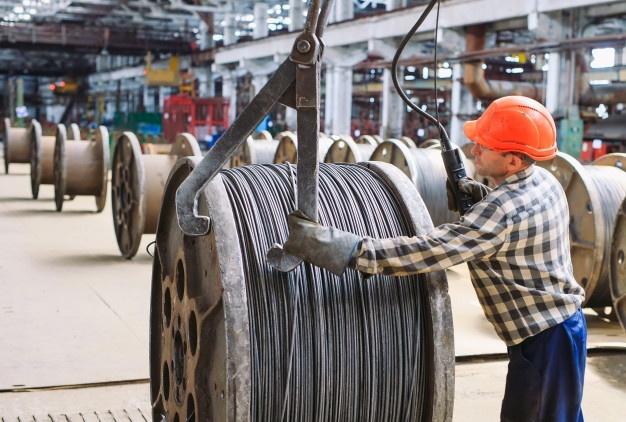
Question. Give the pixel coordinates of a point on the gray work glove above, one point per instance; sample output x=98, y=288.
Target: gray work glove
x=470, y=186
x=325, y=247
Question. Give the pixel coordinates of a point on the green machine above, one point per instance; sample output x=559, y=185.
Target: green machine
x=570, y=132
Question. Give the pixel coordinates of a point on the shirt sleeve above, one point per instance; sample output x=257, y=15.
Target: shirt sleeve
x=478, y=234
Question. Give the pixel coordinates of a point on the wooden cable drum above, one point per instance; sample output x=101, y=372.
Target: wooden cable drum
x=368, y=140
x=594, y=194
x=408, y=142
x=41, y=158
x=618, y=266
x=287, y=150
x=233, y=340
x=16, y=145
x=345, y=150
x=156, y=149
x=264, y=135
x=74, y=133
x=430, y=144
x=425, y=168
x=255, y=151
x=81, y=167
x=137, y=186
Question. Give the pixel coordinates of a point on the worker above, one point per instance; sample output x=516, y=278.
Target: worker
x=515, y=241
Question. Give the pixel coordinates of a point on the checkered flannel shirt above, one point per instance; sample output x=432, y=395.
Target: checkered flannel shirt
x=516, y=244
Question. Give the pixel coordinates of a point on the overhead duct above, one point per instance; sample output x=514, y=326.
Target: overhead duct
x=474, y=74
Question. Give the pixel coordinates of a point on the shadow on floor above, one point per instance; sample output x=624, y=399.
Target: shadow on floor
x=40, y=212
x=87, y=260
x=25, y=199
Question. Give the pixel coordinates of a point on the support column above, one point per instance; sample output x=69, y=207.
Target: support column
x=229, y=25
x=342, y=100
x=343, y=10
x=456, y=124
x=395, y=4
x=261, y=30
x=229, y=91
x=205, y=82
x=393, y=109
x=258, y=82
x=561, y=82
x=296, y=19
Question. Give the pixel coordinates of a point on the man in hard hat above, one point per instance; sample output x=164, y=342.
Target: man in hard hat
x=515, y=241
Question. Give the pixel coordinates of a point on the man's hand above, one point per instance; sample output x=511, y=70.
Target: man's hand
x=470, y=186
x=325, y=247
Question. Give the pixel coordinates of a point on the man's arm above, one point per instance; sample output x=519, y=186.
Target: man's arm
x=481, y=232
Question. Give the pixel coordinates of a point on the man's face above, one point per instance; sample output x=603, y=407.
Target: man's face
x=494, y=164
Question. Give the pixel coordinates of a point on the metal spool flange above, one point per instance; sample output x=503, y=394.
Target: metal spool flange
x=408, y=142
x=16, y=145
x=73, y=134
x=592, y=210
x=287, y=150
x=201, y=351
x=430, y=144
x=41, y=158
x=425, y=168
x=137, y=185
x=81, y=167
x=255, y=151
x=618, y=266
x=367, y=140
x=345, y=150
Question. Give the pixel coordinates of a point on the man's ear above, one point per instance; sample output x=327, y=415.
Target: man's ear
x=515, y=162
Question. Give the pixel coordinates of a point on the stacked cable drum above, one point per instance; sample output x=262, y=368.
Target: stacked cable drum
x=234, y=340
x=137, y=185
x=425, y=168
x=16, y=145
x=345, y=150
x=41, y=157
x=81, y=167
x=618, y=266
x=594, y=193
x=255, y=151
x=287, y=150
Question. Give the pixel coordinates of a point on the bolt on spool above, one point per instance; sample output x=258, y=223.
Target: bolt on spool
x=594, y=194
x=426, y=169
x=137, y=185
x=345, y=150
x=81, y=167
x=16, y=145
x=221, y=320
x=41, y=157
x=287, y=150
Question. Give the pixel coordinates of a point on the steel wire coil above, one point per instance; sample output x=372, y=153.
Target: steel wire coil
x=234, y=340
x=425, y=168
x=594, y=194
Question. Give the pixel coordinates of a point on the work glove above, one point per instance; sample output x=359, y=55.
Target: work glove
x=466, y=185
x=325, y=247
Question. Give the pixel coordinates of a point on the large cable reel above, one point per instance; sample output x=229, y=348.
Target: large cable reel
x=234, y=340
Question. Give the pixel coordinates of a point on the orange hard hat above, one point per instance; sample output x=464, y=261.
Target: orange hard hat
x=515, y=124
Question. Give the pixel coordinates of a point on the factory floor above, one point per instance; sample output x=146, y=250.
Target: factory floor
x=74, y=323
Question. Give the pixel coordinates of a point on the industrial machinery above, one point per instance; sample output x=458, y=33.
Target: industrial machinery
x=204, y=118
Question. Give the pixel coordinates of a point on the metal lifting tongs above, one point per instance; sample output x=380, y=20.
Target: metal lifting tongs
x=296, y=84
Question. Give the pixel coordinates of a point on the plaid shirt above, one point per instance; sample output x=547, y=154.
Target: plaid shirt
x=516, y=244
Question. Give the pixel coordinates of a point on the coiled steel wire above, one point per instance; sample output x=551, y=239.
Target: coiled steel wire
x=325, y=348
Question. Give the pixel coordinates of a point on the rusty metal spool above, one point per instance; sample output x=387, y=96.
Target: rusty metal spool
x=425, y=168
x=213, y=297
x=137, y=186
x=255, y=151
x=594, y=193
x=430, y=144
x=408, y=142
x=345, y=150
x=287, y=150
x=41, y=158
x=618, y=266
x=81, y=167
x=16, y=145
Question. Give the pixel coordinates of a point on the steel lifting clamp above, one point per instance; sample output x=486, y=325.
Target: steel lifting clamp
x=296, y=84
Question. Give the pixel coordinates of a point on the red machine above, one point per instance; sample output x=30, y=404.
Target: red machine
x=205, y=118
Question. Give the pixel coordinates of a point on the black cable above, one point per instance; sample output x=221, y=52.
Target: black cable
x=445, y=140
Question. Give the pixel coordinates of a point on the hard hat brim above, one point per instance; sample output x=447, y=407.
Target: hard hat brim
x=469, y=128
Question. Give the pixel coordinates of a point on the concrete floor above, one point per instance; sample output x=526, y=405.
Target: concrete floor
x=74, y=319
